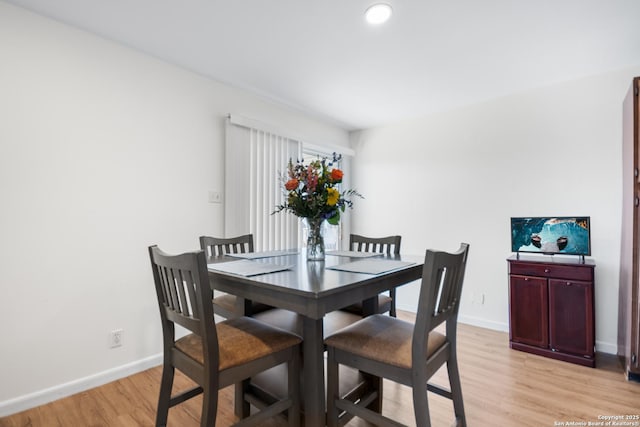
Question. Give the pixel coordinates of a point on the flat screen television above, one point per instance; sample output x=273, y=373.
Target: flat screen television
x=552, y=235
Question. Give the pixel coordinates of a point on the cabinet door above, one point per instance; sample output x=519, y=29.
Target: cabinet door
x=529, y=305
x=629, y=309
x=571, y=317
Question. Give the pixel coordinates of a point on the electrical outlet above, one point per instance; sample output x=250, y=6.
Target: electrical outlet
x=115, y=338
x=477, y=298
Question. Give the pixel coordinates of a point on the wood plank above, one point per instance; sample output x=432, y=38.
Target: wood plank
x=501, y=386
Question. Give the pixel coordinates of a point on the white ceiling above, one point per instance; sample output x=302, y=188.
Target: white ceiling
x=320, y=56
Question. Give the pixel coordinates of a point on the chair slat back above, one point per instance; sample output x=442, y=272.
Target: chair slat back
x=214, y=246
x=182, y=287
x=388, y=245
x=442, y=278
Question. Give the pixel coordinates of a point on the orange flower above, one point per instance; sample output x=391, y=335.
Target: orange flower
x=336, y=175
x=292, y=184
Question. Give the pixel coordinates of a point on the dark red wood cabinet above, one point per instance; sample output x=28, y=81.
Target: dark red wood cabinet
x=551, y=308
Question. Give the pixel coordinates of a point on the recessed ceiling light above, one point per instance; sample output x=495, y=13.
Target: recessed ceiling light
x=378, y=13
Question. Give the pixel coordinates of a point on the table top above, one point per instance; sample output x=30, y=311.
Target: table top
x=314, y=288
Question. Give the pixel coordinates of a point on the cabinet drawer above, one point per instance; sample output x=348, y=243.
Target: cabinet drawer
x=555, y=271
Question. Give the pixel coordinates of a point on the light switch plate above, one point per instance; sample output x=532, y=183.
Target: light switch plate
x=215, y=197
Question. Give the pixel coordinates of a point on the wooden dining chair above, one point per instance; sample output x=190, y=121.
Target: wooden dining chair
x=215, y=355
x=387, y=245
x=226, y=305
x=403, y=352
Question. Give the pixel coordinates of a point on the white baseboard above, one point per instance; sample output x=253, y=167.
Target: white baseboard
x=483, y=323
x=42, y=397
x=606, y=347
x=601, y=346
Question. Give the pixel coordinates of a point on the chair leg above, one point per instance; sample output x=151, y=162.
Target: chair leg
x=209, y=407
x=242, y=407
x=333, y=391
x=456, y=390
x=293, y=388
x=166, y=385
x=421, y=404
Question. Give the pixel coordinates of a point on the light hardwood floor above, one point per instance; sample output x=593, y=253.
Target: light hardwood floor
x=501, y=387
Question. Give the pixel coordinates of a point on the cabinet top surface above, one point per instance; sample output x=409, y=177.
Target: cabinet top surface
x=552, y=259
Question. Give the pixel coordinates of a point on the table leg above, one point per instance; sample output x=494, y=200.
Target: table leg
x=370, y=306
x=313, y=372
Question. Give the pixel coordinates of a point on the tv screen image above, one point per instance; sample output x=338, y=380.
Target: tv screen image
x=551, y=235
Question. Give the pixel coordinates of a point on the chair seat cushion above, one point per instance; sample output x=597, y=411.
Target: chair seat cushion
x=382, y=338
x=228, y=303
x=384, y=305
x=240, y=340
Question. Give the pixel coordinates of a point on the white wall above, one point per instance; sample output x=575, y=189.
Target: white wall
x=103, y=152
x=459, y=176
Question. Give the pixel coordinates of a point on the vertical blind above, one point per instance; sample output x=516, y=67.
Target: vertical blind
x=255, y=160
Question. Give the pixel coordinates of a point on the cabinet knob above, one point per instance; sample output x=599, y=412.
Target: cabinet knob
x=546, y=270
x=568, y=283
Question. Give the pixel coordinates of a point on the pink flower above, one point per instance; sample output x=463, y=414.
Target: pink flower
x=312, y=179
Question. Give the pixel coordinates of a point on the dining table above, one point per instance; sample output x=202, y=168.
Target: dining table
x=287, y=280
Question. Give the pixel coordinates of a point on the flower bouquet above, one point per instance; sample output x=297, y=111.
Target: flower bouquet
x=312, y=193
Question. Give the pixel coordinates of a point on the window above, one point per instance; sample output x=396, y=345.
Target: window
x=255, y=158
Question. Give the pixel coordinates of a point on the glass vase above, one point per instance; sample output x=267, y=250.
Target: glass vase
x=315, y=241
